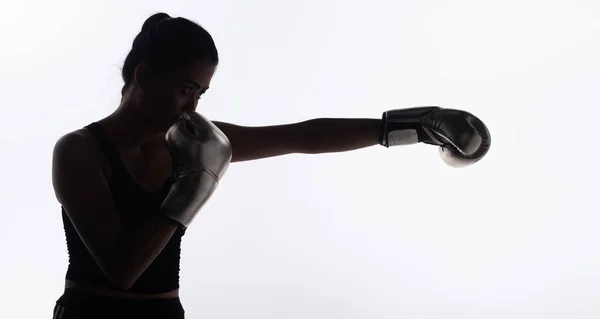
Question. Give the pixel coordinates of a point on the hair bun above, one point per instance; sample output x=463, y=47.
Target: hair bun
x=153, y=21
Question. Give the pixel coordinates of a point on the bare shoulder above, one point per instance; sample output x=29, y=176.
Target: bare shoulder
x=74, y=148
x=74, y=142
x=76, y=156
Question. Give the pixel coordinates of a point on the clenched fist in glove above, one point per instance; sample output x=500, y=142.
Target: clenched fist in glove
x=201, y=154
x=463, y=138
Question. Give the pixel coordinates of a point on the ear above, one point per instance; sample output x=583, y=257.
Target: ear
x=142, y=76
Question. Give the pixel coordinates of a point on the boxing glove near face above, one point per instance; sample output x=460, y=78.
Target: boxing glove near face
x=462, y=137
x=201, y=155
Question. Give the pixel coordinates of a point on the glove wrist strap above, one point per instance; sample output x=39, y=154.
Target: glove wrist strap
x=404, y=126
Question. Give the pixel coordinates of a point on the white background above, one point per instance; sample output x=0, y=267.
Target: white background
x=374, y=233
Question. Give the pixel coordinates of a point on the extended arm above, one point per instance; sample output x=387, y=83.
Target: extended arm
x=463, y=138
x=314, y=136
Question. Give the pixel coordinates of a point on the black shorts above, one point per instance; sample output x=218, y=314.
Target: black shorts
x=82, y=305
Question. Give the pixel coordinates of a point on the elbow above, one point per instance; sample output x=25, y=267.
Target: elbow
x=309, y=138
x=125, y=286
x=119, y=271
x=120, y=279
x=121, y=283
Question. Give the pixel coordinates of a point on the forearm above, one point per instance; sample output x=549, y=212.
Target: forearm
x=137, y=251
x=323, y=135
x=327, y=135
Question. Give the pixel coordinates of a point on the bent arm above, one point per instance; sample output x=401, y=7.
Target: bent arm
x=316, y=136
x=82, y=189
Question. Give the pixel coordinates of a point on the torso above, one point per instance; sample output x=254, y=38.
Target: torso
x=150, y=167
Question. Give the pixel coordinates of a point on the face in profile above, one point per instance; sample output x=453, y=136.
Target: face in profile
x=166, y=97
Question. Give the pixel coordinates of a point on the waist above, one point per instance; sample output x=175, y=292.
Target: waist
x=107, y=292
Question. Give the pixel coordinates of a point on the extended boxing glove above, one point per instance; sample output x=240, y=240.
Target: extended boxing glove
x=462, y=137
x=201, y=155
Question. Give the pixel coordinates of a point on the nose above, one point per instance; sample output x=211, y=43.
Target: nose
x=191, y=105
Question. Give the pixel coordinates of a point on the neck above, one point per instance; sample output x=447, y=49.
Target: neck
x=128, y=128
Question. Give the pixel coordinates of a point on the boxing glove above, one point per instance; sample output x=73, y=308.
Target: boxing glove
x=462, y=138
x=201, y=155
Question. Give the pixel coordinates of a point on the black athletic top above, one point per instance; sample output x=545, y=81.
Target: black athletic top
x=134, y=206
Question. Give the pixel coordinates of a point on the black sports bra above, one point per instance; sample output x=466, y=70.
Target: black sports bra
x=134, y=205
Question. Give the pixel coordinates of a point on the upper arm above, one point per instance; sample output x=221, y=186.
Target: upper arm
x=250, y=143
x=81, y=187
